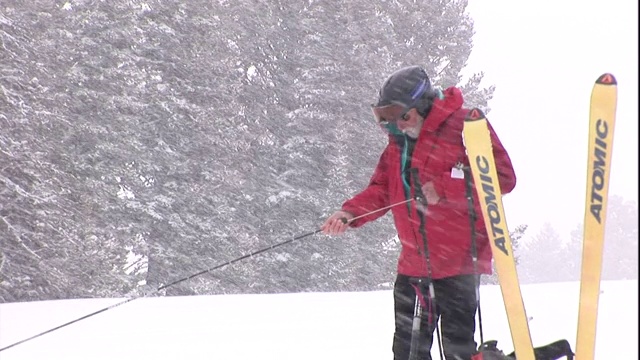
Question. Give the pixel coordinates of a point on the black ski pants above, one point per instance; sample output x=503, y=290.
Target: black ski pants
x=455, y=303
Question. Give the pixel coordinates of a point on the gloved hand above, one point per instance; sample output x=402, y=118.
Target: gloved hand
x=429, y=192
x=337, y=223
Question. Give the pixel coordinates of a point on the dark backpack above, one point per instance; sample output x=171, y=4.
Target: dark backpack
x=556, y=350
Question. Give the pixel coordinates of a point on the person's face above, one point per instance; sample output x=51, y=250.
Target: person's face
x=411, y=124
x=397, y=120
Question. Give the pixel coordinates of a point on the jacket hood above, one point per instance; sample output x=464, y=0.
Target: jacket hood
x=442, y=108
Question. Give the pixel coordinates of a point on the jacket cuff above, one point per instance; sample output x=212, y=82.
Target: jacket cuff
x=354, y=223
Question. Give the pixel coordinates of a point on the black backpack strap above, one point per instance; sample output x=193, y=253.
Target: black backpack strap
x=556, y=350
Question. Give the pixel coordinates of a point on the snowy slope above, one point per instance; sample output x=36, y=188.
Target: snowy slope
x=306, y=326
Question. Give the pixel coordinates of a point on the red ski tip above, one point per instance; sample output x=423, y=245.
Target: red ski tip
x=607, y=79
x=474, y=114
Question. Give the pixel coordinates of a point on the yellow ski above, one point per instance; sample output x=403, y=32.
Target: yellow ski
x=602, y=116
x=480, y=152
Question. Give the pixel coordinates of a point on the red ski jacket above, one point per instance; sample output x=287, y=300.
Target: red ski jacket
x=438, y=149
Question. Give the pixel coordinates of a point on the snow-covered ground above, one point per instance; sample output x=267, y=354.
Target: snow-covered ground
x=306, y=326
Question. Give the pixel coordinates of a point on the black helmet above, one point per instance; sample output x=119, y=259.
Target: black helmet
x=409, y=87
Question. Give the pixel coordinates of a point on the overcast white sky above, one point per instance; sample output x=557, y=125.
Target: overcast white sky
x=544, y=56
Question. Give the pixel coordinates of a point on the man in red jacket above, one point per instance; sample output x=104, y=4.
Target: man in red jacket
x=424, y=159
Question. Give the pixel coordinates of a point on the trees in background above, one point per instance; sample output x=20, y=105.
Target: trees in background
x=144, y=141
x=547, y=257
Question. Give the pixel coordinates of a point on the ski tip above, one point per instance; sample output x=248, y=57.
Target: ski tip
x=474, y=114
x=607, y=79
